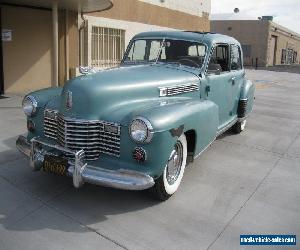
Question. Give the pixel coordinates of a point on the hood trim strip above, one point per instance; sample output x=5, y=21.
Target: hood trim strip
x=178, y=89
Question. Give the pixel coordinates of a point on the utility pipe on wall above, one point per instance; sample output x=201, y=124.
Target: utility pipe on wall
x=55, y=42
x=67, y=48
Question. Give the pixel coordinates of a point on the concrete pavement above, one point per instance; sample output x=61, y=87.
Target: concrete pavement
x=243, y=184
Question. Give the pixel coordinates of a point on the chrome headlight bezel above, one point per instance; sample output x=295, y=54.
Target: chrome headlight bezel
x=29, y=105
x=145, y=126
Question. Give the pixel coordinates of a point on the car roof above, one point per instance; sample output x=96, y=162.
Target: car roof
x=205, y=37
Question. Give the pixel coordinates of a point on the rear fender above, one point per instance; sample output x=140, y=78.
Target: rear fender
x=247, y=93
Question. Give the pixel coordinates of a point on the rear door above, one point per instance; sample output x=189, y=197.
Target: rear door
x=1, y=59
x=237, y=78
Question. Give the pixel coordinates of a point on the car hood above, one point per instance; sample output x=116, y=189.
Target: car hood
x=103, y=94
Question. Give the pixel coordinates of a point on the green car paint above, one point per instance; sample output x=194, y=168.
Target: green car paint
x=121, y=94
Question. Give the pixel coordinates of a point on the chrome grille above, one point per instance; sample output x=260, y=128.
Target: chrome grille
x=75, y=134
x=180, y=89
x=50, y=124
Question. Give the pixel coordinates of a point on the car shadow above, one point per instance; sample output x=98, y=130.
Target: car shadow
x=228, y=133
x=11, y=153
x=90, y=205
x=37, y=200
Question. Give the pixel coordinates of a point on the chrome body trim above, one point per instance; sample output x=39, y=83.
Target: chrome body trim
x=228, y=126
x=178, y=89
x=242, y=108
x=69, y=100
x=82, y=172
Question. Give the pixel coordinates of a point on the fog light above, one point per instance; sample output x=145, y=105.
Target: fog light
x=139, y=154
x=30, y=126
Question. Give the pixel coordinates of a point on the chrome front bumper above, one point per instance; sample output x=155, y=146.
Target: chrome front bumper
x=81, y=171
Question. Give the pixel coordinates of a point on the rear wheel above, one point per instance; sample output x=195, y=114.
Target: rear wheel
x=167, y=184
x=239, y=127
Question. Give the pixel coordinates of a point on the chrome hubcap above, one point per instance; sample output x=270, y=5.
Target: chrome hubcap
x=174, y=163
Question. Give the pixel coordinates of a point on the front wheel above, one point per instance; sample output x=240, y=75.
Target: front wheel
x=239, y=126
x=167, y=184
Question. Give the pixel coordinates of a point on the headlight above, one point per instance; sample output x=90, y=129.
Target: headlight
x=29, y=105
x=141, y=130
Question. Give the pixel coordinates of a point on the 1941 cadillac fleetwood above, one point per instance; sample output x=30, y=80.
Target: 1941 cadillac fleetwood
x=137, y=126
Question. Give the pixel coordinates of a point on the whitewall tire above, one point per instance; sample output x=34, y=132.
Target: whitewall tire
x=167, y=184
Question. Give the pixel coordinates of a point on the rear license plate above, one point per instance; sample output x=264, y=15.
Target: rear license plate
x=55, y=164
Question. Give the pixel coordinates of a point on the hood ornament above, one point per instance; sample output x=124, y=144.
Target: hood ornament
x=87, y=70
x=69, y=100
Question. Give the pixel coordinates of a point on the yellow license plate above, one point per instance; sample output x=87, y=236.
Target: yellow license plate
x=55, y=164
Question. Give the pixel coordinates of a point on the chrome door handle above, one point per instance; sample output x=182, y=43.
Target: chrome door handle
x=233, y=80
x=207, y=90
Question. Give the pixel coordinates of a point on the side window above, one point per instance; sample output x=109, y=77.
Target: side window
x=236, y=60
x=219, y=61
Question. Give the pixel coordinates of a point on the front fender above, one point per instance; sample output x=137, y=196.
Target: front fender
x=43, y=98
x=201, y=116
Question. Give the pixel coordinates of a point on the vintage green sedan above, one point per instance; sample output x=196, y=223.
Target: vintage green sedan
x=137, y=126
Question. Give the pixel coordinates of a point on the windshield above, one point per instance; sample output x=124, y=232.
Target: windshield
x=179, y=52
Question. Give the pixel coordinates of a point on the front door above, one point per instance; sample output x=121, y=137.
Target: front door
x=220, y=83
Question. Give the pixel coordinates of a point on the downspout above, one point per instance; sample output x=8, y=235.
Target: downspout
x=84, y=52
x=55, y=42
x=67, y=48
x=82, y=25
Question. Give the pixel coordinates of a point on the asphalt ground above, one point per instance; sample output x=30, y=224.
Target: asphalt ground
x=242, y=184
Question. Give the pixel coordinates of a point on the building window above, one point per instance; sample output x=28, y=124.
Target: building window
x=235, y=60
x=247, y=50
x=108, y=47
x=295, y=57
x=290, y=56
x=283, y=56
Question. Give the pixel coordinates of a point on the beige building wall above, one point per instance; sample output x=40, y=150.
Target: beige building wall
x=142, y=12
x=247, y=32
x=286, y=39
x=267, y=39
x=27, y=58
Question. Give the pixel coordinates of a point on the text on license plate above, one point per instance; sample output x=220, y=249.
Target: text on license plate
x=55, y=164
